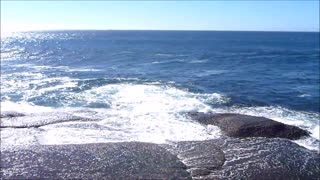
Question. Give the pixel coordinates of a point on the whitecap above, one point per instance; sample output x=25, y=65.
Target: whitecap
x=210, y=72
x=163, y=54
x=304, y=95
x=66, y=68
x=199, y=61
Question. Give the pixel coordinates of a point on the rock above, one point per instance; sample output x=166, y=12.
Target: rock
x=248, y=158
x=265, y=158
x=223, y=158
x=10, y=114
x=238, y=125
x=40, y=119
x=199, y=154
x=127, y=160
x=196, y=172
x=200, y=157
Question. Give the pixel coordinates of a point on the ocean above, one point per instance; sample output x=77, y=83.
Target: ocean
x=139, y=85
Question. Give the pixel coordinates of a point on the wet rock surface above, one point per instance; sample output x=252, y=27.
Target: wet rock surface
x=10, y=114
x=259, y=158
x=238, y=125
x=247, y=158
x=18, y=120
x=224, y=158
x=199, y=156
x=128, y=160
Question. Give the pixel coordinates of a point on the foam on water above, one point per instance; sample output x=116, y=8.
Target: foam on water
x=23, y=107
x=150, y=112
x=199, y=61
x=147, y=112
x=137, y=112
x=68, y=72
x=142, y=98
x=211, y=72
x=65, y=68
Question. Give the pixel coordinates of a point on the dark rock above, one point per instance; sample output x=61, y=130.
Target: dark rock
x=237, y=125
x=128, y=160
x=199, y=154
x=224, y=158
x=196, y=172
x=40, y=119
x=264, y=158
x=249, y=158
x=10, y=114
x=200, y=157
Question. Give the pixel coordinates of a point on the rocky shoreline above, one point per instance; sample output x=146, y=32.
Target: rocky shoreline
x=238, y=125
x=251, y=148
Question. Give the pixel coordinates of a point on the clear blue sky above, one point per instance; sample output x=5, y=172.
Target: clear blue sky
x=161, y=15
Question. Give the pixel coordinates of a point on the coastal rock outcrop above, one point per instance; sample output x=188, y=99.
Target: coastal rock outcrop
x=200, y=157
x=10, y=114
x=18, y=120
x=223, y=158
x=249, y=158
x=227, y=157
x=238, y=125
x=127, y=160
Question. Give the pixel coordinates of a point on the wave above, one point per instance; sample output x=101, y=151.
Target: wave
x=211, y=72
x=169, y=61
x=124, y=124
x=199, y=61
x=147, y=112
x=136, y=112
x=63, y=68
x=170, y=55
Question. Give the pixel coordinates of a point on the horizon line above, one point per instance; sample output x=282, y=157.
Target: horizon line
x=44, y=30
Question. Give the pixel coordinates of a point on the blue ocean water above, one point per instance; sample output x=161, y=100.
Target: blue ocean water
x=151, y=77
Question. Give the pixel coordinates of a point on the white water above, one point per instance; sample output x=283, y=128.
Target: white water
x=141, y=112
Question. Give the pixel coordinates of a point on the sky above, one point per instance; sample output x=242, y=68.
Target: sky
x=161, y=15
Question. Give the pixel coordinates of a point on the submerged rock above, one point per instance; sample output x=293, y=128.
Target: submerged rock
x=238, y=125
x=39, y=119
x=10, y=114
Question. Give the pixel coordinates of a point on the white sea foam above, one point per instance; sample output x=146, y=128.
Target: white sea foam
x=33, y=84
x=23, y=107
x=210, y=72
x=199, y=61
x=138, y=112
x=61, y=86
x=164, y=55
x=304, y=95
x=151, y=112
x=65, y=68
x=151, y=98
x=169, y=61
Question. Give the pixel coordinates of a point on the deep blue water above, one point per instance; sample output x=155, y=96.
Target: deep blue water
x=251, y=68
x=137, y=85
